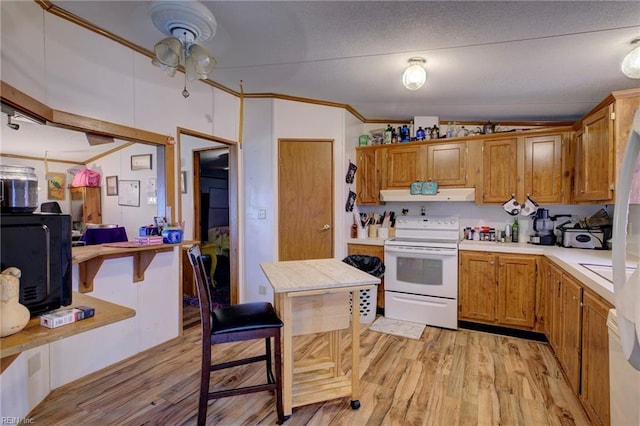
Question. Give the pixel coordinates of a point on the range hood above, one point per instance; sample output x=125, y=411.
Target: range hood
x=444, y=194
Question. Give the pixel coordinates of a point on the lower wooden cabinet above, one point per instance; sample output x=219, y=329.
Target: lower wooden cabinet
x=371, y=250
x=502, y=289
x=594, y=391
x=575, y=322
x=570, y=331
x=497, y=288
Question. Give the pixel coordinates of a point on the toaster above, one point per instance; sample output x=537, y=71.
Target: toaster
x=583, y=238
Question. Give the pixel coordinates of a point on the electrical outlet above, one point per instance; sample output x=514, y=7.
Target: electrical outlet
x=262, y=289
x=262, y=213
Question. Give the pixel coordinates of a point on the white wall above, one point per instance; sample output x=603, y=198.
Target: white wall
x=259, y=187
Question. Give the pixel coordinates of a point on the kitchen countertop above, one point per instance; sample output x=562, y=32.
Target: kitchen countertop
x=367, y=241
x=569, y=259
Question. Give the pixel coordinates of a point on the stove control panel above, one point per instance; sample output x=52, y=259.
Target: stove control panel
x=427, y=222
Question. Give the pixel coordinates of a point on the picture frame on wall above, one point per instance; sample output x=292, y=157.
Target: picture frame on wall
x=129, y=193
x=141, y=162
x=112, y=185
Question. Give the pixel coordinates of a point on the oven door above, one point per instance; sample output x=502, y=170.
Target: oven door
x=421, y=270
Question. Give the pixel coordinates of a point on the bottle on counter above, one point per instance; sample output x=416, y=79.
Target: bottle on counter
x=507, y=233
x=420, y=135
x=515, y=228
x=387, y=134
x=435, y=132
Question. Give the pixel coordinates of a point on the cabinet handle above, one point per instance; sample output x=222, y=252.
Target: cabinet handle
x=325, y=227
x=492, y=263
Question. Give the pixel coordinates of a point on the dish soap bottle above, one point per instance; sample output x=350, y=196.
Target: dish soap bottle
x=514, y=231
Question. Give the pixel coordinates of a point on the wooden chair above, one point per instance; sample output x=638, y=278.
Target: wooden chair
x=245, y=321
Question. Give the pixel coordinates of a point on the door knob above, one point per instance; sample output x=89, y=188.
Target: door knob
x=325, y=227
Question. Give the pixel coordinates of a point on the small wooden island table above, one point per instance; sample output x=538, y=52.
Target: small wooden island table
x=313, y=296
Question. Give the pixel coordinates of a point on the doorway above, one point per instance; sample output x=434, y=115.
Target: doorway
x=212, y=210
x=305, y=199
x=209, y=208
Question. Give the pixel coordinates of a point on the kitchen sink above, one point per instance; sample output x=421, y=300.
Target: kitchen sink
x=605, y=271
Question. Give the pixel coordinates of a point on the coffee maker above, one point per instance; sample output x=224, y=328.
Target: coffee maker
x=543, y=229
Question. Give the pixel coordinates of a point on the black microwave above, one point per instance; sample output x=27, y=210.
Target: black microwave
x=39, y=244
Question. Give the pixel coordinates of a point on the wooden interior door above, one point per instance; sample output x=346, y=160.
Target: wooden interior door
x=305, y=199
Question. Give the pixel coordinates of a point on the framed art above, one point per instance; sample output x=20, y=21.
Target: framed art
x=112, y=185
x=56, y=186
x=141, y=162
x=129, y=193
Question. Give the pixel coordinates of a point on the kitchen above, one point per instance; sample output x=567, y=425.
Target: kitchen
x=255, y=172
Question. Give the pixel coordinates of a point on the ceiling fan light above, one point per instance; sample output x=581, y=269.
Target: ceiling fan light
x=190, y=70
x=171, y=71
x=203, y=61
x=415, y=75
x=630, y=65
x=168, y=51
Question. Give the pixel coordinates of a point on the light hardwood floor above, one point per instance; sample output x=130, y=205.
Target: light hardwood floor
x=446, y=378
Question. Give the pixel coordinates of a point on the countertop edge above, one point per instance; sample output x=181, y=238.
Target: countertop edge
x=34, y=335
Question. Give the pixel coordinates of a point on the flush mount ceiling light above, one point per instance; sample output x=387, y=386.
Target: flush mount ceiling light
x=631, y=63
x=186, y=23
x=415, y=75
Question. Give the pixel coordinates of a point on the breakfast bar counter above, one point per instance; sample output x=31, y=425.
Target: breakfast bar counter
x=313, y=296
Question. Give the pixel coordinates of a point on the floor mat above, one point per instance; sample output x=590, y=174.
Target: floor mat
x=410, y=330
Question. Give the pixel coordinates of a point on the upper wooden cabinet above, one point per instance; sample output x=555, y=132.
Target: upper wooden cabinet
x=601, y=139
x=528, y=165
x=369, y=175
x=405, y=164
x=594, y=167
x=500, y=172
x=546, y=171
x=447, y=163
x=441, y=162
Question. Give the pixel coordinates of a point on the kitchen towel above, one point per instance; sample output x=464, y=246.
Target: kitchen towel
x=407, y=329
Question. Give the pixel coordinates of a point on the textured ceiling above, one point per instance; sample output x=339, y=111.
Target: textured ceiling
x=494, y=61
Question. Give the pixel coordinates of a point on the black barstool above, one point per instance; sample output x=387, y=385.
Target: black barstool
x=245, y=321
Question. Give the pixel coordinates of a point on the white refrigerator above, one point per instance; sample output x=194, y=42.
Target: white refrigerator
x=624, y=321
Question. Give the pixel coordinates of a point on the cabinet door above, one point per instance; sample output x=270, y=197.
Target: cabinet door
x=500, y=170
x=517, y=290
x=368, y=175
x=554, y=310
x=543, y=174
x=477, y=287
x=594, y=391
x=570, y=350
x=405, y=165
x=446, y=164
x=86, y=206
x=371, y=250
x=594, y=158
